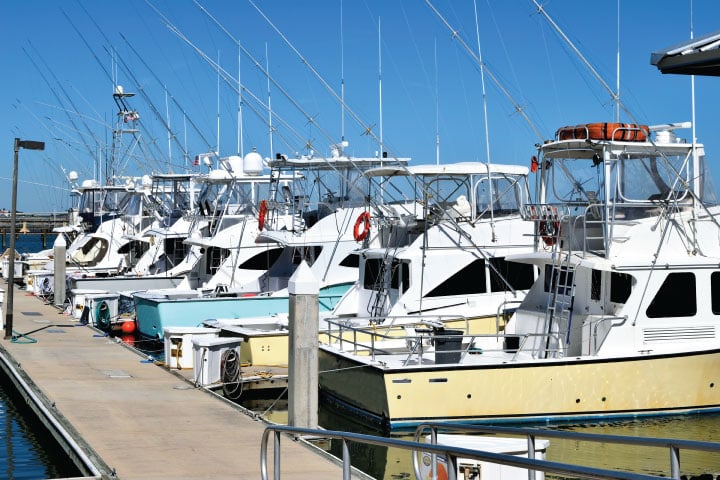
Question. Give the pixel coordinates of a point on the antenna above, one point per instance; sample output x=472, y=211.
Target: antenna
x=437, y=110
x=169, y=133
x=240, y=102
x=267, y=69
x=696, y=174
x=487, y=132
x=617, y=68
x=217, y=148
x=380, y=106
x=342, y=76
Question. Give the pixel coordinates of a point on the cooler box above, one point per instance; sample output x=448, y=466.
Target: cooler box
x=208, y=354
x=179, y=347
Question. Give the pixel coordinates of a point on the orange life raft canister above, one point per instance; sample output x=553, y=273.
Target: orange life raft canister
x=624, y=132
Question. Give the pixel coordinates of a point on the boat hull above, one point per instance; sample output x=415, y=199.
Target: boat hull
x=538, y=392
x=153, y=313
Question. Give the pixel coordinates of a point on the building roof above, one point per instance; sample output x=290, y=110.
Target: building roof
x=700, y=56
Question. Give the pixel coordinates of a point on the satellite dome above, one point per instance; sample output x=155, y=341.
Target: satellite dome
x=253, y=163
x=236, y=164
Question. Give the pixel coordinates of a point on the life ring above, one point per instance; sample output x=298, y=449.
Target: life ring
x=364, y=220
x=549, y=232
x=262, y=212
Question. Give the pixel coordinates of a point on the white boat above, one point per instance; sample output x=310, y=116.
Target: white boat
x=429, y=248
x=314, y=224
x=621, y=322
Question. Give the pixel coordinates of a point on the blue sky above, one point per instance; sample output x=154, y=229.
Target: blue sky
x=61, y=61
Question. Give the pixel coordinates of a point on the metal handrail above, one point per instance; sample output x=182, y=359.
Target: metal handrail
x=346, y=334
x=453, y=453
x=673, y=444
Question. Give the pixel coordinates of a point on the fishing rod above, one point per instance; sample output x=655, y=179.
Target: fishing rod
x=230, y=80
x=483, y=66
x=71, y=119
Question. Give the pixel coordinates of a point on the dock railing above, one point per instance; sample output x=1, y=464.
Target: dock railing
x=672, y=444
x=452, y=454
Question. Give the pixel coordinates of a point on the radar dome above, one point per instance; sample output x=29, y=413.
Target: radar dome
x=73, y=176
x=253, y=163
x=236, y=164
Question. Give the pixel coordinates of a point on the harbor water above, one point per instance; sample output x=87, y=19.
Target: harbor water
x=393, y=464
x=28, y=450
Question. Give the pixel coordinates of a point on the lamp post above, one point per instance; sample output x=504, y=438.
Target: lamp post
x=28, y=145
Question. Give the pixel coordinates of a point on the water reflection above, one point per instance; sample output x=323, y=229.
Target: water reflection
x=394, y=464
x=28, y=450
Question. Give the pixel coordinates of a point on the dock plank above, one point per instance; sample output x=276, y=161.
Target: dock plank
x=142, y=420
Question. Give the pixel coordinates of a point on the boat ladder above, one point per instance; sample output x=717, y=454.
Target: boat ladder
x=562, y=289
x=381, y=287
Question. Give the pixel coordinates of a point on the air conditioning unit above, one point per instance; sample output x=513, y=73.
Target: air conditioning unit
x=208, y=357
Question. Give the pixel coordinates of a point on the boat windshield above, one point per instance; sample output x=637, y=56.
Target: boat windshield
x=623, y=176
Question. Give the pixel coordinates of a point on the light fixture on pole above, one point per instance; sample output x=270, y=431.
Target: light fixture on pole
x=28, y=145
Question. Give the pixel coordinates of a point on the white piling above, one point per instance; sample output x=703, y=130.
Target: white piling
x=304, y=314
x=59, y=270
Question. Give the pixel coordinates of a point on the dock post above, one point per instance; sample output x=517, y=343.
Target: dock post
x=59, y=270
x=303, y=328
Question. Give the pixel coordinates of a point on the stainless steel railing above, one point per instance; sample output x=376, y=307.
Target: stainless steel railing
x=453, y=453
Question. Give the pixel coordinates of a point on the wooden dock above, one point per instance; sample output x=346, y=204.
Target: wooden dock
x=131, y=418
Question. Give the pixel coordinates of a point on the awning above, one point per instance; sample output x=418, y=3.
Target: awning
x=700, y=56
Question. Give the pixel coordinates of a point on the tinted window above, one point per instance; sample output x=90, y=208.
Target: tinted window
x=352, y=260
x=262, y=260
x=675, y=298
x=715, y=292
x=400, y=273
x=520, y=276
x=595, y=284
x=469, y=280
x=372, y=271
x=560, y=277
x=620, y=287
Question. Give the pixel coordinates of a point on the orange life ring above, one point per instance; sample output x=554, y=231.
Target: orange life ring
x=364, y=220
x=549, y=231
x=262, y=212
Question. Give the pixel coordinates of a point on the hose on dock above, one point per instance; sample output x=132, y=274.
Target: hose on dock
x=231, y=374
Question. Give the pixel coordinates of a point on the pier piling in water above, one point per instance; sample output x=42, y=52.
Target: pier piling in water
x=304, y=290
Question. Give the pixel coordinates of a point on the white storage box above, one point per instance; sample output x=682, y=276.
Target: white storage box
x=208, y=354
x=179, y=347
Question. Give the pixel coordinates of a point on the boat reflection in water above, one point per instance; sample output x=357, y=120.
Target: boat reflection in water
x=393, y=464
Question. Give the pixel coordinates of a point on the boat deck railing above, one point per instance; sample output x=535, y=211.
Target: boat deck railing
x=451, y=454
x=413, y=340
x=589, y=226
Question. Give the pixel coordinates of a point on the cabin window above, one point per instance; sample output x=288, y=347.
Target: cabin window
x=400, y=275
x=675, y=298
x=175, y=249
x=468, y=281
x=595, y=285
x=352, y=261
x=715, y=292
x=372, y=272
x=520, y=276
x=309, y=254
x=215, y=257
x=620, y=287
x=560, y=278
x=263, y=260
